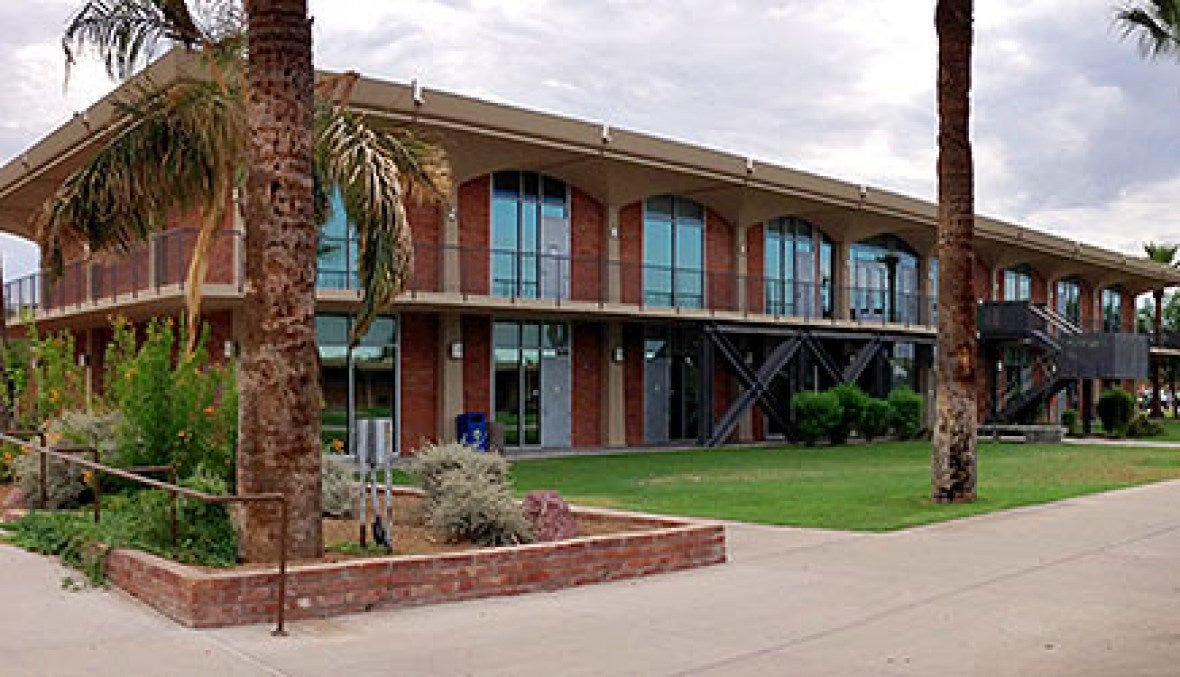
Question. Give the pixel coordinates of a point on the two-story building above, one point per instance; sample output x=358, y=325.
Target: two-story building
x=587, y=286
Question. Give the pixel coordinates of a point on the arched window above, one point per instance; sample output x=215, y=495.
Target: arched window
x=1112, y=309
x=530, y=236
x=1018, y=283
x=798, y=269
x=673, y=252
x=884, y=272
x=1067, y=299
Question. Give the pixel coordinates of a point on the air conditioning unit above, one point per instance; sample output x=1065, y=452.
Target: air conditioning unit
x=375, y=445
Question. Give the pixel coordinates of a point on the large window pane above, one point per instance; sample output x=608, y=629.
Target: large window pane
x=673, y=252
x=520, y=248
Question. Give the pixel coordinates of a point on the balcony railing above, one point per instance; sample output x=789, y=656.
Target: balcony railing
x=481, y=273
x=147, y=268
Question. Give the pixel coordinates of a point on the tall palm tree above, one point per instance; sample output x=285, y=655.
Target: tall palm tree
x=1164, y=254
x=953, y=460
x=1155, y=24
x=188, y=147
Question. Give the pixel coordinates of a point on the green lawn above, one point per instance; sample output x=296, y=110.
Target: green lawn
x=875, y=487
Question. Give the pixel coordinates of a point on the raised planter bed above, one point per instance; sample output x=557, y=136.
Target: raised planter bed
x=205, y=598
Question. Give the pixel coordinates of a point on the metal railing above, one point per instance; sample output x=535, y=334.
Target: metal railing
x=161, y=262
x=174, y=490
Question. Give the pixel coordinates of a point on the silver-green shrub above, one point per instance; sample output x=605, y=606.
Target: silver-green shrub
x=64, y=484
x=338, y=486
x=469, y=497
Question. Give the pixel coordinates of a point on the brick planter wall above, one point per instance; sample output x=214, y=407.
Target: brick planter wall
x=205, y=598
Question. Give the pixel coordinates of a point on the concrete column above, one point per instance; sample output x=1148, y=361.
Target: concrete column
x=450, y=376
x=842, y=282
x=741, y=266
x=614, y=390
x=614, y=280
x=449, y=243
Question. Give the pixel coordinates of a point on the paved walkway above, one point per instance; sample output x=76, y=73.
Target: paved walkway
x=1089, y=586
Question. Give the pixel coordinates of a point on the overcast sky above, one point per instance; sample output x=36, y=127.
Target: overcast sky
x=1073, y=131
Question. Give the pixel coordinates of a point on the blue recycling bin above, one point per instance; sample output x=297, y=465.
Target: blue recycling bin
x=471, y=428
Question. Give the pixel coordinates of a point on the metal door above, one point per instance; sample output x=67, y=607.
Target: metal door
x=657, y=389
x=554, y=264
x=555, y=396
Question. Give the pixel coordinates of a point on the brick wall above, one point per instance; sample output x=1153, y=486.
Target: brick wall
x=425, y=220
x=631, y=252
x=419, y=379
x=205, y=599
x=1086, y=305
x=587, y=234
x=586, y=398
x=721, y=283
x=474, y=231
x=477, y=374
x=983, y=281
x=755, y=268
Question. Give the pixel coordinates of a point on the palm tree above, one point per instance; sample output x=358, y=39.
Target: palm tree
x=1154, y=23
x=953, y=460
x=1164, y=254
x=197, y=141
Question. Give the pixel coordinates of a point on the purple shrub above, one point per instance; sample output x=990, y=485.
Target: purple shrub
x=549, y=516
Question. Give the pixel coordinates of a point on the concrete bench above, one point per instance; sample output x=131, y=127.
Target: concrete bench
x=1050, y=434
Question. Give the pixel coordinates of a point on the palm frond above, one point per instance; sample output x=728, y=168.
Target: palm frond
x=1155, y=25
x=168, y=158
x=1161, y=252
x=126, y=34
x=374, y=170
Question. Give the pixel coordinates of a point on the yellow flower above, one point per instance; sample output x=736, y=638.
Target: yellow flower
x=209, y=410
x=86, y=476
x=338, y=445
x=54, y=395
x=7, y=457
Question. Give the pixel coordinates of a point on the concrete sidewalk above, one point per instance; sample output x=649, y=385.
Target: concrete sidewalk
x=1088, y=586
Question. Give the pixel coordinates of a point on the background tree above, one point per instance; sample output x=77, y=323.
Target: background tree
x=193, y=144
x=1155, y=25
x=953, y=459
x=1164, y=254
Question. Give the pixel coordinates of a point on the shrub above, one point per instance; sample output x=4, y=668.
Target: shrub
x=65, y=485
x=177, y=409
x=876, y=418
x=815, y=415
x=907, y=412
x=338, y=489
x=1116, y=407
x=1071, y=419
x=549, y=516
x=1142, y=426
x=81, y=428
x=852, y=406
x=434, y=461
x=468, y=497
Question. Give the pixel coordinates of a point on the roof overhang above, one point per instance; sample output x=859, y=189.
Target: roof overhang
x=614, y=166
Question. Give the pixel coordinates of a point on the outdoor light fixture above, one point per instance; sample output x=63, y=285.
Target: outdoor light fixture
x=230, y=350
x=618, y=354
x=419, y=95
x=84, y=360
x=456, y=350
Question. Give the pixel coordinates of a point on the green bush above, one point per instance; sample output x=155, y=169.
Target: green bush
x=65, y=486
x=1142, y=426
x=433, y=462
x=853, y=401
x=876, y=419
x=1071, y=419
x=815, y=415
x=907, y=412
x=338, y=488
x=1116, y=408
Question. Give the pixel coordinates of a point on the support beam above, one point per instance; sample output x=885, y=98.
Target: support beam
x=757, y=384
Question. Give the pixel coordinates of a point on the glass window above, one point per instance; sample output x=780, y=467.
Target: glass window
x=884, y=272
x=336, y=250
x=798, y=280
x=360, y=384
x=673, y=253
x=1112, y=309
x=516, y=388
x=530, y=236
x=1018, y=284
x=1067, y=299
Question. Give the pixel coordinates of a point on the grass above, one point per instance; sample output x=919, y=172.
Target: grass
x=878, y=487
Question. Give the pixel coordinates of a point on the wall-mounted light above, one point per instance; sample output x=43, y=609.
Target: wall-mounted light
x=84, y=360
x=418, y=94
x=230, y=350
x=619, y=354
x=455, y=350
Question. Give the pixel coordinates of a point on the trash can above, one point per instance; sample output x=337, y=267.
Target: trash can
x=471, y=428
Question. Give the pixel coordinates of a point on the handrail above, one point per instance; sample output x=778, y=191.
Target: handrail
x=174, y=490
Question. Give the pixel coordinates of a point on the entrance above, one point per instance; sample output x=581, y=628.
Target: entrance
x=531, y=383
x=671, y=383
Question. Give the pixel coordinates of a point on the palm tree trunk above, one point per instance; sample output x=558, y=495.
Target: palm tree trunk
x=953, y=461
x=1156, y=407
x=279, y=431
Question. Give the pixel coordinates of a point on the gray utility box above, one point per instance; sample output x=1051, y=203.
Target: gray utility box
x=1113, y=356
